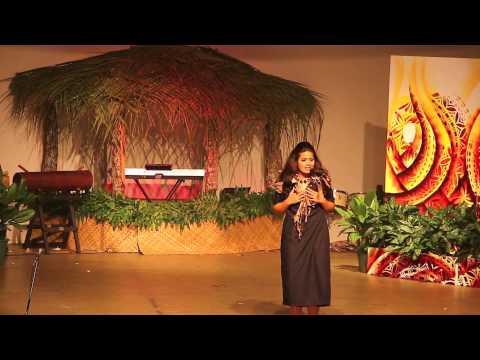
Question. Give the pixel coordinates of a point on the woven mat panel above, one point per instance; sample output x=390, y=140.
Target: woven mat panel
x=260, y=234
x=91, y=237
x=171, y=240
x=120, y=240
x=257, y=235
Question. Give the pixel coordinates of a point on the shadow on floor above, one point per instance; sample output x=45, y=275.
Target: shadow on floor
x=155, y=306
x=254, y=307
x=353, y=268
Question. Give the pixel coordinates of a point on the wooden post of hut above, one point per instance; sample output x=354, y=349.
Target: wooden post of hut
x=211, y=161
x=272, y=156
x=116, y=159
x=50, y=142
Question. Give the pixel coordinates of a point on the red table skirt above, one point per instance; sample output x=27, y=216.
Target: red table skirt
x=159, y=189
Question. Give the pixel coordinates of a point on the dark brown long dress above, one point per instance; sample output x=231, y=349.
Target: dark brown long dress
x=305, y=261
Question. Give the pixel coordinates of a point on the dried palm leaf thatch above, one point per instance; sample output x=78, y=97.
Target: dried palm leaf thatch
x=188, y=95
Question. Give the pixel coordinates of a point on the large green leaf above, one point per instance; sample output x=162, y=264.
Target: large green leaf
x=354, y=237
x=359, y=209
x=371, y=199
x=22, y=217
x=346, y=214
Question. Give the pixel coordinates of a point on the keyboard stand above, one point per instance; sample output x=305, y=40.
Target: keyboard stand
x=170, y=194
x=174, y=189
x=143, y=190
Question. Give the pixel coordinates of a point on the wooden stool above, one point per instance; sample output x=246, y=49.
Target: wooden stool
x=38, y=221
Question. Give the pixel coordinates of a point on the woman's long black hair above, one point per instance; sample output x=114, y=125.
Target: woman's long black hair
x=291, y=168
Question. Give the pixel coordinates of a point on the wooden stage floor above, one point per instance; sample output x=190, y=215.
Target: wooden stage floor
x=70, y=284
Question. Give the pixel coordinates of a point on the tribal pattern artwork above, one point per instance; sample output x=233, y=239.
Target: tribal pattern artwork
x=433, y=143
x=428, y=267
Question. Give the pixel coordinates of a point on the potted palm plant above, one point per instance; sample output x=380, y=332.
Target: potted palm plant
x=361, y=215
x=14, y=210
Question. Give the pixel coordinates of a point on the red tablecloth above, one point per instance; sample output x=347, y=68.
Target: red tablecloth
x=159, y=189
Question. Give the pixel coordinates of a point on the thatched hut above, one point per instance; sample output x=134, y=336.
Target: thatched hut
x=189, y=97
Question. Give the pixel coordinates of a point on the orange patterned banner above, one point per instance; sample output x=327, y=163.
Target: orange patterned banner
x=428, y=267
x=433, y=137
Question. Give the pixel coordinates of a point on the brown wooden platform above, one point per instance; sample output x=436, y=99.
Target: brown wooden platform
x=208, y=284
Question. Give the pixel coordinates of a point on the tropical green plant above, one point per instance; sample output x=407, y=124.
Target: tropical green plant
x=14, y=202
x=14, y=210
x=455, y=231
x=406, y=236
x=467, y=242
x=361, y=215
x=358, y=220
x=385, y=221
x=119, y=211
x=401, y=228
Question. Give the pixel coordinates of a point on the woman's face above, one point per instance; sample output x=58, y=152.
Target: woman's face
x=306, y=162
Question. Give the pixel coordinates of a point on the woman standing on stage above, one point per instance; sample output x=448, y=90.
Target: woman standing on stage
x=306, y=197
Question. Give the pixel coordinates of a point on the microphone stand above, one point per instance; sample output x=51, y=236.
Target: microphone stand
x=36, y=260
